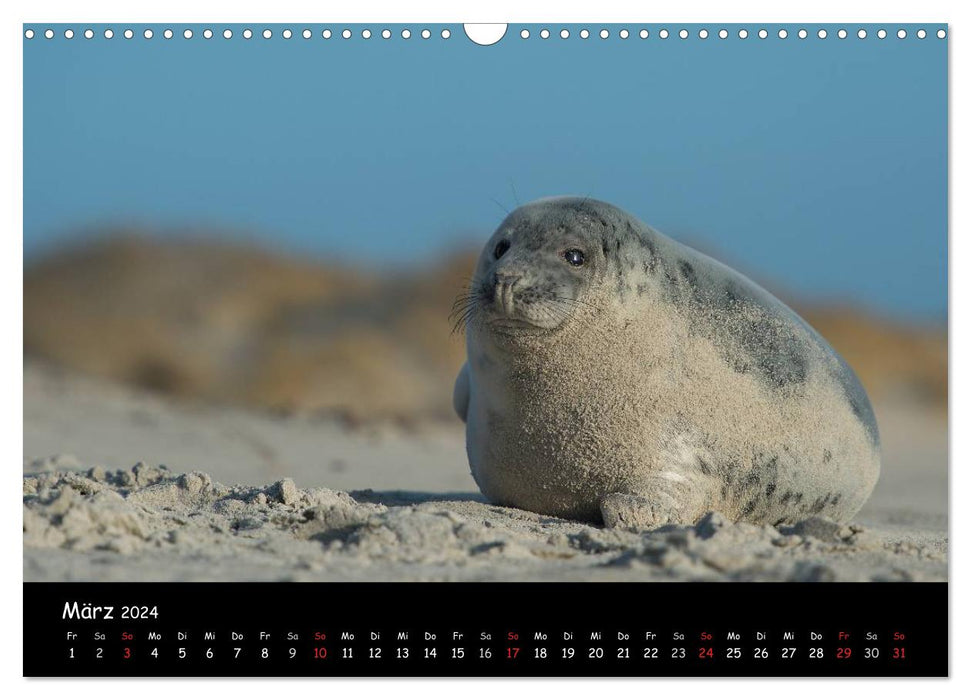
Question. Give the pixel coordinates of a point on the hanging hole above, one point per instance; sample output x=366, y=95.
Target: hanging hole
x=485, y=34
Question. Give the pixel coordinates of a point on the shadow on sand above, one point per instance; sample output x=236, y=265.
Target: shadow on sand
x=412, y=498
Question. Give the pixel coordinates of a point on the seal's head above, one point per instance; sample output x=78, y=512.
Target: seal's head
x=537, y=268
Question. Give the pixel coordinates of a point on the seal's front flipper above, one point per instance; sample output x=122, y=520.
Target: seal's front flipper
x=671, y=499
x=636, y=512
x=460, y=394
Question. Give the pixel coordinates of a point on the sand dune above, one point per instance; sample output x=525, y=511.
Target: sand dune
x=241, y=326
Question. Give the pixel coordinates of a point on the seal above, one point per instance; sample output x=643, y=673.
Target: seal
x=615, y=374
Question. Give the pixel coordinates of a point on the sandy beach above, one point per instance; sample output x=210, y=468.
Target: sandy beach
x=122, y=484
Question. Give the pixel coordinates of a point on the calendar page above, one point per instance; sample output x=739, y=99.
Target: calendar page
x=548, y=349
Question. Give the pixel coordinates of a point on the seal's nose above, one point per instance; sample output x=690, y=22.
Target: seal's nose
x=505, y=286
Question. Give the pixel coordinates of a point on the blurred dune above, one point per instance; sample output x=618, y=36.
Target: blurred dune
x=234, y=324
x=895, y=362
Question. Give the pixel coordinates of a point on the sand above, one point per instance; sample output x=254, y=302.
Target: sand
x=124, y=485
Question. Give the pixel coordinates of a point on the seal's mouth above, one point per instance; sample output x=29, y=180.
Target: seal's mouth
x=495, y=307
x=510, y=306
x=513, y=325
x=503, y=315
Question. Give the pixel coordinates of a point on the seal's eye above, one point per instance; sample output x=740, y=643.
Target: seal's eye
x=501, y=248
x=574, y=257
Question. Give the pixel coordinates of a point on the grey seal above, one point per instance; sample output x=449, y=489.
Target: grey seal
x=614, y=374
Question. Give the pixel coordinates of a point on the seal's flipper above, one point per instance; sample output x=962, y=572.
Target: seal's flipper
x=636, y=512
x=460, y=395
x=660, y=501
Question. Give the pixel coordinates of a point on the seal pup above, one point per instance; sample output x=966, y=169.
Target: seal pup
x=615, y=374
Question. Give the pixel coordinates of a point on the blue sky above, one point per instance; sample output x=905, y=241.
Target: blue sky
x=819, y=166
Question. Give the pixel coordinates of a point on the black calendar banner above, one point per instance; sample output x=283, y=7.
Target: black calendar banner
x=485, y=629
